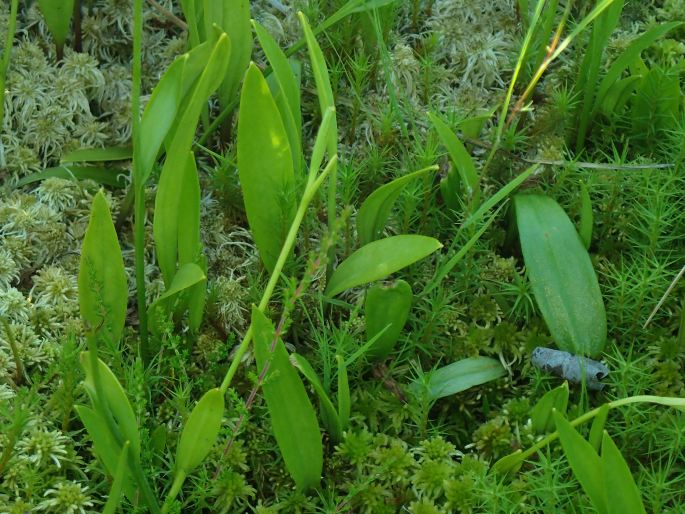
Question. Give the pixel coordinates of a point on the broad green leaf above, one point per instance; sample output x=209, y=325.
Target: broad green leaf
x=386, y=305
x=233, y=17
x=200, y=431
x=102, y=283
x=622, y=493
x=113, y=177
x=462, y=375
x=344, y=402
x=292, y=415
x=117, y=487
x=597, y=428
x=114, y=153
x=374, y=212
x=289, y=93
x=104, y=445
x=377, y=260
x=541, y=414
x=265, y=166
x=561, y=275
x=586, y=217
x=57, y=14
x=584, y=461
x=115, y=401
x=166, y=220
x=460, y=158
x=328, y=413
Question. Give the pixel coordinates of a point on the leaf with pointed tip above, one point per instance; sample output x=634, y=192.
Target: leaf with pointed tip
x=57, y=14
x=113, y=177
x=541, y=414
x=462, y=375
x=200, y=431
x=624, y=496
x=113, y=153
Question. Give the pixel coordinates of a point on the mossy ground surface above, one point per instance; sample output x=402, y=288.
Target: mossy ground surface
x=452, y=57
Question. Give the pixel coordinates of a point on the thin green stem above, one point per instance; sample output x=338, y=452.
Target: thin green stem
x=310, y=191
x=4, y=65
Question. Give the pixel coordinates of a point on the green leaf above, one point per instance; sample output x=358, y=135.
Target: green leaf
x=266, y=167
x=57, y=14
x=200, y=431
x=102, y=283
x=624, y=496
x=656, y=106
x=561, y=274
x=113, y=177
x=618, y=95
x=117, y=488
x=597, y=428
x=374, y=212
x=188, y=276
x=377, y=260
x=541, y=414
x=292, y=415
x=584, y=461
x=386, y=305
x=461, y=160
x=462, y=375
x=113, y=153
x=328, y=413
x=509, y=464
x=289, y=93
x=344, y=402
x=586, y=217
x=105, y=446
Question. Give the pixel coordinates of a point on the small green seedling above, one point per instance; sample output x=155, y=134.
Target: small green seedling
x=386, y=310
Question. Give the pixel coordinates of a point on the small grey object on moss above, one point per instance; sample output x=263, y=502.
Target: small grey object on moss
x=570, y=367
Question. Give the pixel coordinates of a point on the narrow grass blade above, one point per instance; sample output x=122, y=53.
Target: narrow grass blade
x=597, y=428
x=541, y=414
x=561, y=274
x=200, y=431
x=112, y=177
x=344, y=402
x=386, y=310
x=586, y=217
x=622, y=493
x=114, y=153
x=266, y=167
x=375, y=210
x=292, y=415
x=584, y=461
x=379, y=259
x=462, y=375
x=102, y=282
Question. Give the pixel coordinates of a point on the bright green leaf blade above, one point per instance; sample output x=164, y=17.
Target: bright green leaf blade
x=328, y=413
x=292, y=415
x=104, y=445
x=117, y=487
x=106, y=176
x=377, y=260
x=561, y=274
x=386, y=305
x=187, y=276
x=462, y=375
x=200, y=431
x=541, y=414
x=460, y=158
x=344, y=402
x=114, y=153
x=508, y=464
x=115, y=400
x=586, y=217
x=265, y=166
x=622, y=493
x=57, y=14
x=584, y=461
x=102, y=283
x=321, y=141
x=597, y=428
x=189, y=243
x=375, y=210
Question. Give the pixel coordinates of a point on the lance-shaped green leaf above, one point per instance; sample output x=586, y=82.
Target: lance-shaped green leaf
x=115, y=401
x=386, y=305
x=57, y=14
x=561, y=274
x=288, y=99
x=584, y=461
x=509, y=464
x=113, y=177
x=292, y=415
x=328, y=413
x=461, y=160
x=105, y=446
x=188, y=278
x=597, y=428
x=462, y=375
x=265, y=166
x=622, y=493
x=233, y=17
x=166, y=220
x=200, y=431
x=113, y=153
x=541, y=414
x=377, y=260
x=102, y=284
x=375, y=210
x=117, y=488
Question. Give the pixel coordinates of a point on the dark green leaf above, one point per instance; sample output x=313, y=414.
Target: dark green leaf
x=541, y=414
